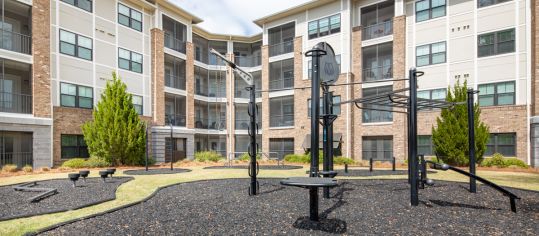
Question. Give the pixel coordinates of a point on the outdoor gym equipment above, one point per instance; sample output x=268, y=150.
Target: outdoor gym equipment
x=252, y=129
x=104, y=174
x=84, y=174
x=111, y=172
x=46, y=192
x=371, y=162
x=74, y=177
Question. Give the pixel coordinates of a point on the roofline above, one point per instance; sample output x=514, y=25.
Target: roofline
x=291, y=11
x=194, y=19
x=212, y=36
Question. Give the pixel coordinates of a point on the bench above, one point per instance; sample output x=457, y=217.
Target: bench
x=311, y=183
x=371, y=161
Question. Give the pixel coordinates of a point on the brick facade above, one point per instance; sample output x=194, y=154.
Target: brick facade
x=158, y=76
x=41, y=71
x=67, y=121
x=190, y=86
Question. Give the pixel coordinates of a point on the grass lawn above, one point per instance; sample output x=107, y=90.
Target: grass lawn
x=142, y=186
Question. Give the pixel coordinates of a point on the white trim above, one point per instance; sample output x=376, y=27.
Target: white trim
x=175, y=91
x=282, y=127
x=496, y=5
x=375, y=41
x=16, y=56
x=376, y=124
x=283, y=93
x=281, y=57
x=78, y=8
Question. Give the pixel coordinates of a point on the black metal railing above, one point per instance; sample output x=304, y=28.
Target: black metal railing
x=214, y=124
x=16, y=158
x=376, y=116
x=377, y=30
x=282, y=120
x=281, y=48
x=248, y=61
x=243, y=124
x=281, y=83
x=378, y=73
x=15, y=103
x=16, y=42
x=218, y=91
x=173, y=81
x=175, y=119
x=174, y=43
x=242, y=93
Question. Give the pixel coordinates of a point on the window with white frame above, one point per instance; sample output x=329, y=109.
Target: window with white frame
x=129, y=60
x=429, y=9
x=137, y=103
x=75, y=45
x=434, y=94
x=485, y=3
x=431, y=54
x=82, y=4
x=496, y=43
x=129, y=17
x=72, y=95
x=324, y=26
x=497, y=94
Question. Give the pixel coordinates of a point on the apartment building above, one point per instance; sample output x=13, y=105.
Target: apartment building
x=57, y=56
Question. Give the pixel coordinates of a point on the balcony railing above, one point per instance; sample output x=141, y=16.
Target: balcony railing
x=248, y=61
x=282, y=120
x=176, y=119
x=377, y=30
x=374, y=116
x=16, y=158
x=281, y=83
x=217, y=91
x=16, y=42
x=214, y=124
x=281, y=48
x=174, y=81
x=242, y=93
x=243, y=124
x=378, y=73
x=15, y=103
x=174, y=43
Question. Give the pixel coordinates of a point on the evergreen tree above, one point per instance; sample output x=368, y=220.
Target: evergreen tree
x=450, y=137
x=116, y=133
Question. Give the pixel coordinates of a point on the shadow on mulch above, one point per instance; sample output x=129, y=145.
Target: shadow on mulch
x=334, y=226
x=366, y=172
x=160, y=171
x=262, y=167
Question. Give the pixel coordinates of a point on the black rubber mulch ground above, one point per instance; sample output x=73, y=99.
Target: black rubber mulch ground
x=366, y=172
x=159, y=171
x=359, y=207
x=262, y=167
x=14, y=204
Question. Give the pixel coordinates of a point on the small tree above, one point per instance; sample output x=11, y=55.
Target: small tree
x=450, y=137
x=116, y=133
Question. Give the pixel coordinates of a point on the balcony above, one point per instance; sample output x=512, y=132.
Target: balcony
x=377, y=62
x=175, y=119
x=15, y=27
x=16, y=148
x=16, y=42
x=175, y=110
x=281, y=39
x=281, y=74
x=210, y=123
x=248, y=61
x=175, y=81
x=175, y=34
x=377, y=73
x=282, y=120
x=240, y=85
x=243, y=124
x=281, y=48
x=377, y=30
x=15, y=103
x=174, y=43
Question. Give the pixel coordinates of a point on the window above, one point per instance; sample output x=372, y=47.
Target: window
x=282, y=74
x=281, y=39
x=497, y=94
x=129, y=17
x=430, y=54
x=310, y=65
x=435, y=94
x=82, y=4
x=484, y=3
x=76, y=96
x=281, y=146
x=336, y=108
x=429, y=9
x=504, y=144
x=73, y=146
x=496, y=43
x=325, y=26
x=129, y=60
x=75, y=45
x=282, y=111
x=137, y=103
x=377, y=62
x=376, y=113
x=377, y=148
x=425, y=145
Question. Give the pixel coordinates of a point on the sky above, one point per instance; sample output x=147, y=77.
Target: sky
x=234, y=16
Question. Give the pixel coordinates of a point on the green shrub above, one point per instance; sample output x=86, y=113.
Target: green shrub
x=246, y=157
x=9, y=168
x=297, y=158
x=211, y=156
x=27, y=168
x=498, y=160
x=513, y=162
x=75, y=163
x=96, y=162
x=342, y=161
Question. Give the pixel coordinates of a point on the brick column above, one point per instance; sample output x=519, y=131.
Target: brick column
x=265, y=99
x=41, y=79
x=399, y=72
x=302, y=123
x=230, y=109
x=356, y=92
x=190, y=86
x=158, y=76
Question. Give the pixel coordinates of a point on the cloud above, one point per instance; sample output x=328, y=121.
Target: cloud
x=234, y=16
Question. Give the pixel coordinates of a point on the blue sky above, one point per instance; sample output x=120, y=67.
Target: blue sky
x=234, y=16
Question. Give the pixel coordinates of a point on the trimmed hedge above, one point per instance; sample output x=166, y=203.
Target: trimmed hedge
x=211, y=156
x=92, y=162
x=75, y=163
x=306, y=158
x=246, y=157
x=498, y=160
x=10, y=168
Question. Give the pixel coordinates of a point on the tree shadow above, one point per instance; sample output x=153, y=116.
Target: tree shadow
x=462, y=205
x=334, y=226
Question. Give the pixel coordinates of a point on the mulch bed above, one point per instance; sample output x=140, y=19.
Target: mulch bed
x=262, y=167
x=366, y=172
x=358, y=207
x=15, y=204
x=160, y=171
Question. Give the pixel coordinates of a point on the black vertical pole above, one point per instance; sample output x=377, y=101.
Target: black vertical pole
x=330, y=131
x=471, y=138
x=315, y=111
x=326, y=144
x=171, y=146
x=147, y=148
x=409, y=144
x=412, y=159
x=252, y=143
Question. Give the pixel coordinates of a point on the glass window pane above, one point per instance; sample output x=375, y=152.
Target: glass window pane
x=423, y=94
x=67, y=100
x=422, y=5
x=136, y=25
x=124, y=64
x=85, y=53
x=486, y=100
x=438, y=94
x=423, y=60
x=313, y=26
x=136, y=15
x=85, y=42
x=508, y=87
x=69, y=89
x=72, y=2
x=67, y=37
x=136, y=57
x=438, y=12
x=486, y=89
x=122, y=53
x=483, y=3
x=124, y=20
x=506, y=99
x=67, y=48
x=323, y=25
x=422, y=16
x=506, y=139
x=508, y=35
x=438, y=58
x=85, y=92
x=136, y=67
x=423, y=50
x=506, y=47
x=485, y=50
x=123, y=10
x=437, y=3
x=86, y=5
x=486, y=39
x=438, y=47
x=137, y=100
x=85, y=102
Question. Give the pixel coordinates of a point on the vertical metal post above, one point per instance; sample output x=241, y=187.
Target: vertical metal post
x=147, y=148
x=330, y=131
x=409, y=145
x=313, y=203
x=171, y=145
x=471, y=138
x=412, y=159
x=252, y=141
x=315, y=112
x=370, y=164
x=326, y=145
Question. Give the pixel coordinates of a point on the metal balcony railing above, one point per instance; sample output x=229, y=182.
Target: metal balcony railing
x=173, y=81
x=16, y=158
x=174, y=43
x=15, y=103
x=378, y=73
x=243, y=124
x=16, y=42
x=248, y=61
x=282, y=120
x=242, y=93
x=282, y=83
x=374, y=116
x=377, y=30
x=213, y=124
x=281, y=48
x=175, y=119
